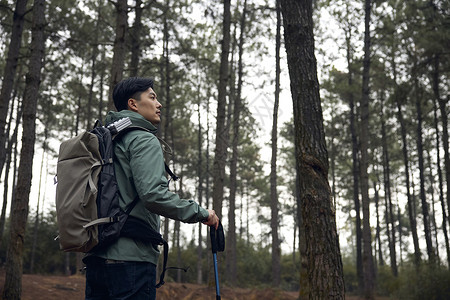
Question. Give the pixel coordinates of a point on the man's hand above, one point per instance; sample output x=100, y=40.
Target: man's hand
x=213, y=219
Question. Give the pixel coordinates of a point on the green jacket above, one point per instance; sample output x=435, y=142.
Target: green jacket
x=140, y=171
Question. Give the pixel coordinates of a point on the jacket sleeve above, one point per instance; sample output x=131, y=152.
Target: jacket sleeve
x=148, y=171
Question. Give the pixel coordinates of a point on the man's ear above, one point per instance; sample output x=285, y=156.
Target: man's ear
x=132, y=104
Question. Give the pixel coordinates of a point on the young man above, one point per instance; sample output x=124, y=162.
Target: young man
x=127, y=268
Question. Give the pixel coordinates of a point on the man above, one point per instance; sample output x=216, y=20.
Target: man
x=127, y=268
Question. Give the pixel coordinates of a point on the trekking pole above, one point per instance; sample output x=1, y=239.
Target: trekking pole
x=217, y=245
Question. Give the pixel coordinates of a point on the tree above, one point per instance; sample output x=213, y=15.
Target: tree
x=368, y=266
x=14, y=263
x=220, y=152
x=238, y=106
x=10, y=71
x=276, y=251
x=118, y=60
x=325, y=272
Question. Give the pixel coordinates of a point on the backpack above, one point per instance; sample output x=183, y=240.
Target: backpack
x=87, y=196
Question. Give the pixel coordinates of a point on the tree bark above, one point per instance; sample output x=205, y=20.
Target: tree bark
x=410, y=199
x=136, y=39
x=10, y=72
x=276, y=250
x=377, y=234
x=14, y=262
x=325, y=272
x=355, y=165
x=220, y=152
x=441, y=182
x=231, y=245
x=387, y=191
x=368, y=266
x=420, y=152
x=118, y=60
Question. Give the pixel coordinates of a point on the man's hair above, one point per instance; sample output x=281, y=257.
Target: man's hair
x=130, y=88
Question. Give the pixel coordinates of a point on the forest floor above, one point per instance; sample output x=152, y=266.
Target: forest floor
x=40, y=287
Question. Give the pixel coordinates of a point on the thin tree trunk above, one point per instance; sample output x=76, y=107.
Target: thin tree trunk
x=433, y=202
x=36, y=220
x=165, y=69
x=94, y=55
x=440, y=182
x=377, y=234
x=390, y=222
x=101, y=88
x=231, y=246
x=410, y=199
x=200, y=192
x=276, y=250
x=136, y=39
x=420, y=151
x=221, y=134
x=14, y=261
x=355, y=166
x=324, y=268
x=368, y=266
x=118, y=60
x=9, y=72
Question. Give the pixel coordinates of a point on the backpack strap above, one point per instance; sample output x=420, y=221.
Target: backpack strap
x=124, y=131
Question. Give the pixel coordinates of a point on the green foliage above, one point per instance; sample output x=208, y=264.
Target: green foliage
x=429, y=282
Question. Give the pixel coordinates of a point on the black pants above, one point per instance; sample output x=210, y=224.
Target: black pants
x=106, y=279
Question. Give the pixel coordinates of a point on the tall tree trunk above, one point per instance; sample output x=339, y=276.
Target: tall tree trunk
x=377, y=234
x=410, y=198
x=36, y=219
x=118, y=60
x=231, y=246
x=368, y=266
x=12, y=143
x=14, y=261
x=441, y=182
x=101, y=88
x=200, y=192
x=325, y=272
x=167, y=96
x=387, y=190
x=220, y=152
x=9, y=72
x=420, y=151
x=355, y=166
x=136, y=39
x=276, y=250
x=94, y=55
x=444, y=119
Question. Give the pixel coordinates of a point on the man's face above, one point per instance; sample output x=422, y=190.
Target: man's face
x=147, y=106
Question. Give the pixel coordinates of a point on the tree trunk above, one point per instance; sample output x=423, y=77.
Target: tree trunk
x=325, y=272
x=441, y=183
x=410, y=199
x=390, y=222
x=94, y=55
x=166, y=77
x=12, y=143
x=231, y=245
x=136, y=39
x=377, y=234
x=200, y=194
x=14, y=262
x=355, y=166
x=220, y=152
x=36, y=219
x=368, y=266
x=423, y=199
x=276, y=250
x=10, y=72
x=118, y=60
